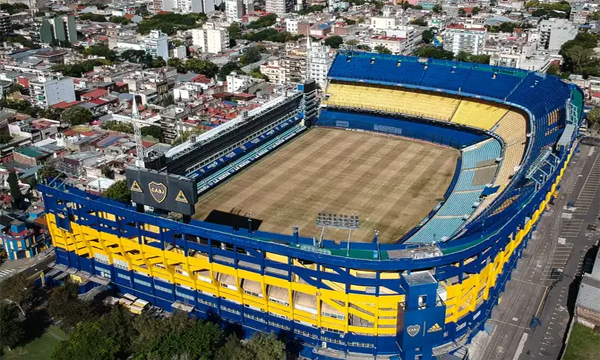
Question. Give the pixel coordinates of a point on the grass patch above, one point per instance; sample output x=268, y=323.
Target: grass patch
x=38, y=349
x=583, y=344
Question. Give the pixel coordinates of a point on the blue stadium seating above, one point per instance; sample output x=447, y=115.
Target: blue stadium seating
x=496, y=85
x=460, y=203
x=449, y=77
x=465, y=181
x=487, y=150
x=437, y=229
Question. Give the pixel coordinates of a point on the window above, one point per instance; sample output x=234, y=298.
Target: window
x=141, y=282
x=123, y=276
x=163, y=289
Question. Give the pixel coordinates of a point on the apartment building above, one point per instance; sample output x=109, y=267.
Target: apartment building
x=280, y=6
x=555, y=32
x=320, y=59
x=50, y=90
x=211, y=38
x=60, y=28
x=236, y=9
x=458, y=37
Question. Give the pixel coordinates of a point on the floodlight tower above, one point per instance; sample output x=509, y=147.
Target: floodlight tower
x=137, y=134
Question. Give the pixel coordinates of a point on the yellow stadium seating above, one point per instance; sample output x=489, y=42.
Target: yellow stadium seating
x=512, y=128
x=478, y=114
x=393, y=100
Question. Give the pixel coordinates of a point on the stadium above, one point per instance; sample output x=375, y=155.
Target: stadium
x=384, y=221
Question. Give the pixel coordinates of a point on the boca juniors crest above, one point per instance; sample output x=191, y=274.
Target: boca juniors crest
x=158, y=191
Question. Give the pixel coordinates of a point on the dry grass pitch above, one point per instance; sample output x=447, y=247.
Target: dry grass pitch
x=390, y=183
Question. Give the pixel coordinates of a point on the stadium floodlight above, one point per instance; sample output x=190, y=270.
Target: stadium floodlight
x=337, y=221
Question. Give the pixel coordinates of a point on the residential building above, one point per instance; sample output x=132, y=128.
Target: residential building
x=61, y=28
x=382, y=23
x=211, y=38
x=279, y=6
x=239, y=83
x=274, y=70
x=236, y=9
x=320, y=59
x=555, y=32
x=50, y=90
x=458, y=37
x=587, y=306
x=188, y=6
x=5, y=23
x=156, y=44
x=24, y=237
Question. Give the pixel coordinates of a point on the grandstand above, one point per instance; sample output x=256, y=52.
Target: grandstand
x=490, y=144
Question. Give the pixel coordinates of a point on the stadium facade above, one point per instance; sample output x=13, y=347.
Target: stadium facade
x=422, y=296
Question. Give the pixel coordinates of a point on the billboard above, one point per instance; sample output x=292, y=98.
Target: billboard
x=162, y=191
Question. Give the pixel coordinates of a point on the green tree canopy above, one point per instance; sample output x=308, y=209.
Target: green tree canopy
x=48, y=172
x=266, y=346
x=202, y=67
x=65, y=306
x=382, y=49
x=5, y=138
x=593, y=117
x=437, y=8
x=553, y=69
x=251, y=55
x=263, y=22
x=430, y=51
x=153, y=130
x=334, y=41
x=76, y=115
x=50, y=113
x=11, y=329
x=114, y=125
x=118, y=192
x=228, y=69
x=18, y=290
x=17, y=196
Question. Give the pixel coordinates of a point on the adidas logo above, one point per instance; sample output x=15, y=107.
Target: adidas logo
x=434, y=328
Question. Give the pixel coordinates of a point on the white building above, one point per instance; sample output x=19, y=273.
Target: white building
x=188, y=6
x=382, y=23
x=280, y=6
x=236, y=9
x=291, y=26
x=461, y=38
x=211, y=38
x=555, y=32
x=238, y=83
x=319, y=62
x=50, y=90
x=156, y=44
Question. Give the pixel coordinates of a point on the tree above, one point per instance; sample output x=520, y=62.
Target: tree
x=228, y=69
x=48, y=172
x=119, y=20
x=153, y=130
x=334, y=41
x=234, y=350
x=5, y=138
x=51, y=113
x=463, y=56
x=553, y=69
x=185, y=135
x=580, y=56
x=475, y=10
x=266, y=347
x=430, y=51
x=15, y=192
x=427, y=36
x=462, y=12
x=17, y=290
x=251, y=55
x=108, y=172
x=76, y=115
x=234, y=31
x=11, y=329
x=382, y=49
x=177, y=336
x=263, y=22
x=118, y=192
x=65, y=306
x=158, y=63
x=101, y=51
x=419, y=22
x=363, y=47
x=437, y=8
x=255, y=73
x=88, y=341
x=593, y=117
x=202, y=67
